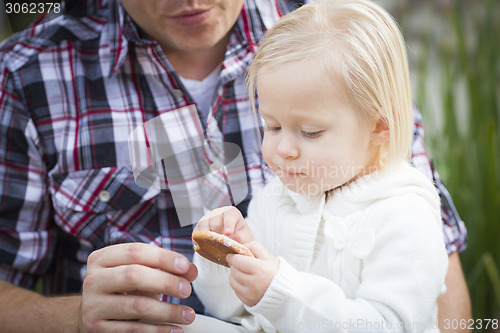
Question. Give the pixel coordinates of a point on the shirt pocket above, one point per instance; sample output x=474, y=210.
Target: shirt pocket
x=104, y=206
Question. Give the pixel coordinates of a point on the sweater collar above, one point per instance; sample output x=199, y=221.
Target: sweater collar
x=379, y=185
x=303, y=203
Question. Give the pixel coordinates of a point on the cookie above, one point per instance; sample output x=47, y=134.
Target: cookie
x=215, y=247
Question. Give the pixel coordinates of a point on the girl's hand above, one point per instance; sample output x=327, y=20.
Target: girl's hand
x=226, y=221
x=250, y=277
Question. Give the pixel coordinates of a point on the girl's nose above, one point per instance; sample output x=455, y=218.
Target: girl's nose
x=287, y=149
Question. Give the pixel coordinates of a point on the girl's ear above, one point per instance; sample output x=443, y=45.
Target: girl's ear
x=380, y=132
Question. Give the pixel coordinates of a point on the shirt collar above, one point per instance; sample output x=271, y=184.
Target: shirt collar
x=116, y=36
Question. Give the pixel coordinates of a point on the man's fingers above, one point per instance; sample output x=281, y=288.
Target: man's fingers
x=123, y=284
x=133, y=326
x=155, y=296
x=130, y=307
x=145, y=308
x=127, y=278
x=142, y=254
x=191, y=274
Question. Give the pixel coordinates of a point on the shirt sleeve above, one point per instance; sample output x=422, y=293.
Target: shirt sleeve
x=26, y=237
x=401, y=279
x=454, y=230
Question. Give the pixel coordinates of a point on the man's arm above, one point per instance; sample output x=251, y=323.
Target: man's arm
x=23, y=310
x=455, y=303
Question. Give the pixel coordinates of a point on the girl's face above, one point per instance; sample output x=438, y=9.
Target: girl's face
x=314, y=140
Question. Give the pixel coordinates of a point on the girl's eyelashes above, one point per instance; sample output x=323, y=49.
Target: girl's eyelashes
x=273, y=128
x=311, y=135
x=307, y=134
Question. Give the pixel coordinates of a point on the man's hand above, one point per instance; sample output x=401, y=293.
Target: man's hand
x=122, y=288
x=250, y=277
x=227, y=221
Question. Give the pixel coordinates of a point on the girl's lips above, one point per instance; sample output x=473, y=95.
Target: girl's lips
x=288, y=173
x=191, y=19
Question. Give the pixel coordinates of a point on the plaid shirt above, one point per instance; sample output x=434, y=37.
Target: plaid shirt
x=73, y=88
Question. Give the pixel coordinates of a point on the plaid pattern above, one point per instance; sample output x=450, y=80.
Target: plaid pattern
x=72, y=90
x=170, y=152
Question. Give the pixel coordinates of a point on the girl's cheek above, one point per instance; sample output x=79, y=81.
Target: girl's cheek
x=267, y=148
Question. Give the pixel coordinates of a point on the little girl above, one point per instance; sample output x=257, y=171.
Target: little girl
x=348, y=236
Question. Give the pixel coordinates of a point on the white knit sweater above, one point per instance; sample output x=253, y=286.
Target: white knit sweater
x=370, y=258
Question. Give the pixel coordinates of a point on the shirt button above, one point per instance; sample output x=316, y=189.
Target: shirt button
x=104, y=196
x=213, y=168
x=177, y=93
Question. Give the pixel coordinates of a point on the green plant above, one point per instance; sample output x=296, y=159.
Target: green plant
x=466, y=145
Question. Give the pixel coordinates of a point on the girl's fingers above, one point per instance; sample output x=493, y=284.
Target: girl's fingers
x=241, y=263
x=258, y=250
x=238, y=286
x=224, y=220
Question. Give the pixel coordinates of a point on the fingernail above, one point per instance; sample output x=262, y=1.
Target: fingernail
x=176, y=330
x=188, y=315
x=182, y=264
x=184, y=289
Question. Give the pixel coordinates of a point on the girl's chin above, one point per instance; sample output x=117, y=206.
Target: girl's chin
x=309, y=190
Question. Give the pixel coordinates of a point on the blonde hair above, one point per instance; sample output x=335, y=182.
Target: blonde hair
x=358, y=41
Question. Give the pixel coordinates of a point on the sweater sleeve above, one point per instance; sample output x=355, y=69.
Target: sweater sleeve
x=213, y=289
x=401, y=279
x=212, y=284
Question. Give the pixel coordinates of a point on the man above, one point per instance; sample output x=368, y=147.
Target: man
x=73, y=89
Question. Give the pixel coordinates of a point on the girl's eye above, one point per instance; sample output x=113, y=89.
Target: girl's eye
x=311, y=135
x=273, y=128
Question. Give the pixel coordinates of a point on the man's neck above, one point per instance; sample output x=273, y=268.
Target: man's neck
x=197, y=65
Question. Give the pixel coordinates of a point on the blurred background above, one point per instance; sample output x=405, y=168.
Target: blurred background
x=454, y=51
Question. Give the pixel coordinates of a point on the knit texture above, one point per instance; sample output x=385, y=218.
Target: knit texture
x=369, y=257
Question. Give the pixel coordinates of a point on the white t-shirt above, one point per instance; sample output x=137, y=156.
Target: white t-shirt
x=203, y=91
